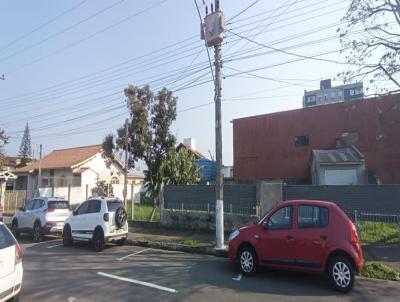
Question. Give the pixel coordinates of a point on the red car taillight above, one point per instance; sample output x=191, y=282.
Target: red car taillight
x=353, y=234
x=18, y=253
x=106, y=216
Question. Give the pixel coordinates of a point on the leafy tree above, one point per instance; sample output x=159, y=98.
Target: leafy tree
x=3, y=142
x=180, y=168
x=150, y=138
x=25, y=150
x=102, y=189
x=371, y=40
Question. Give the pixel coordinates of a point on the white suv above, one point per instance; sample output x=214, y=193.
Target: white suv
x=11, y=270
x=41, y=216
x=100, y=220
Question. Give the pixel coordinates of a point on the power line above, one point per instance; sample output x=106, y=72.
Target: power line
x=61, y=31
x=243, y=11
x=43, y=25
x=87, y=37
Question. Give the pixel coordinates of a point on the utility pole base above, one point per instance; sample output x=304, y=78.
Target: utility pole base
x=219, y=225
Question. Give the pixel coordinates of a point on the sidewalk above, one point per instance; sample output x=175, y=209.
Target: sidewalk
x=387, y=253
x=156, y=236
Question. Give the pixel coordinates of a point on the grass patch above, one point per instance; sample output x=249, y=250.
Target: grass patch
x=379, y=270
x=190, y=242
x=144, y=212
x=379, y=232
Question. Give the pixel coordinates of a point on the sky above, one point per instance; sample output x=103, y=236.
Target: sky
x=66, y=64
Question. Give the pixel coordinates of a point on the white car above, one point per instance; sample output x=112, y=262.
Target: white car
x=10, y=266
x=99, y=220
x=41, y=216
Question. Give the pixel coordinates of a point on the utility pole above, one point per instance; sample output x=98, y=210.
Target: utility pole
x=212, y=32
x=126, y=163
x=40, y=169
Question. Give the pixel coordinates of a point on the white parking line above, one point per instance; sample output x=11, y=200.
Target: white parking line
x=71, y=299
x=133, y=254
x=167, y=289
x=238, y=278
x=53, y=246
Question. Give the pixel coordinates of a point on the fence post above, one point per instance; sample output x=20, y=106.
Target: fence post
x=161, y=201
x=133, y=203
x=69, y=193
x=87, y=191
x=355, y=216
x=208, y=208
x=398, y=225
x=182, y=206
x=231, y=208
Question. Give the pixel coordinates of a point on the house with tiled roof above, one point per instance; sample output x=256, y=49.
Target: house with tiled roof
x=72, y=173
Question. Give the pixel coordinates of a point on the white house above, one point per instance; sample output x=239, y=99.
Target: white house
x=72, y=173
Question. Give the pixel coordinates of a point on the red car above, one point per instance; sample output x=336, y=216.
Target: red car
x=301, y=235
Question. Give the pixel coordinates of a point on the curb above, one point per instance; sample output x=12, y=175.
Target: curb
x=178, y=247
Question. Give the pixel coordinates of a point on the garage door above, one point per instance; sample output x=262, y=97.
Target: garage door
x=340, y=177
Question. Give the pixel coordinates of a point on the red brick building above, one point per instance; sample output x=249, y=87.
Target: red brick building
x=279, y=145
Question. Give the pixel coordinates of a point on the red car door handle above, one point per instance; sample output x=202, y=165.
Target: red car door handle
x=323, y=236
x=289, y=237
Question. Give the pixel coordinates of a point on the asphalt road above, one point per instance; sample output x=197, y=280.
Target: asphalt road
x=55, y=273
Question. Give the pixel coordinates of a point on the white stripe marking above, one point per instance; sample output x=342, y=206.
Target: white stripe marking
x=71, y=299
x=53, y=246
x=238, y=278
x=167, y=289
x=133, y=254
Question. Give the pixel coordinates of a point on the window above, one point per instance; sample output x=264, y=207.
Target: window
x=301, y=141
x=94, y=206
x=350, y=136
x=351, y=91
x=58, y=204
x=6, y=240
x=45, y=183
x=312, y=217
x=30, y=204
x=62, y=181
x=83, y=208
x=114, y=205
x=38, y=204
x=281, y=219
x=114, y=180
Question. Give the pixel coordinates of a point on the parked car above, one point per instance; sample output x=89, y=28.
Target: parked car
x=11, y=270
x=301, y=235
x=98, y=220
x=41, y=216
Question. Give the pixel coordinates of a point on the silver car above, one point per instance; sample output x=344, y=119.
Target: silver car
x=41, y=216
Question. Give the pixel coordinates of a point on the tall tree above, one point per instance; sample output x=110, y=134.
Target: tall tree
x=25, y=150
x=371, y=40
x=180, y=168
x=3, y=142
x=150, y=137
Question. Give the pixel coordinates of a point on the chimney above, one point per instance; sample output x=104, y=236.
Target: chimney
x=190, y=142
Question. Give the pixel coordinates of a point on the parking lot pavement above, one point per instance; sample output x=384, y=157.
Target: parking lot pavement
x=55, y=273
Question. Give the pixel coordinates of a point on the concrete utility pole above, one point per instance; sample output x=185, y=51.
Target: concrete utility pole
x=126, y=163
x=212, y=32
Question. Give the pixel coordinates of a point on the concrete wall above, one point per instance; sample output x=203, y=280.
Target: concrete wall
x=268, y=195
x=203, y=221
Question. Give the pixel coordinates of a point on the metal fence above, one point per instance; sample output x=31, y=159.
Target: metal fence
x=238, y=198
x=210, y=208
